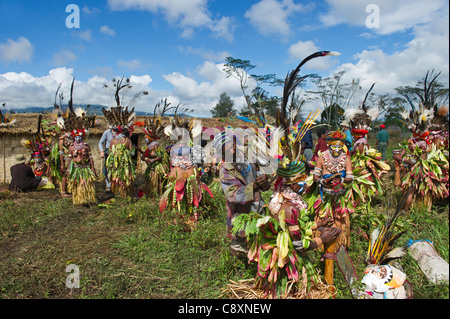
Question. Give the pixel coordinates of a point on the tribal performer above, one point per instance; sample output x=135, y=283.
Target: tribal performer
x=360, y=120
x=120, y=165
x=158, y=163
x=427, y=161
x=155, y=155
x=38, y=147
x=333, y=174
x=184, y=187
x=368, y=167
x=68, y=124
x=81, y=171
x=241, y=183
x=278, y=241
x=79, y=164
x=439, y=134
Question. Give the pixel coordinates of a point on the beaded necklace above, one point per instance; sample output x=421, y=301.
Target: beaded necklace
x=334, y=164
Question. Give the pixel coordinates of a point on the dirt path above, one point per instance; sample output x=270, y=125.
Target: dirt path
x=33, y=262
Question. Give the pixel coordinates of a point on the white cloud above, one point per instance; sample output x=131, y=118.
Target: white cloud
x=270, y=17
x=16, y=51
x=198, y=95
x=130, y=65
x=85, y=35
x=107, y=30
x=426, y=21
x=64, y=57
x=395, y=16
x=223, y=28
x=428, y=50
x=205, y=54
x=203, y=95
x=186, y=14
x=87, y=10
x=20, y=90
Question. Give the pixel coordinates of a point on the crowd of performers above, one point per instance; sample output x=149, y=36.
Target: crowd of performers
x=311, y=200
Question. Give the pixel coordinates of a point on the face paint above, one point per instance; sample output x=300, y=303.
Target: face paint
x=302, y=186
x=336, y=149
x=78, y=139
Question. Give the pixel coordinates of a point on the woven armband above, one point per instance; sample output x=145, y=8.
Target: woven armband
x=317, y=171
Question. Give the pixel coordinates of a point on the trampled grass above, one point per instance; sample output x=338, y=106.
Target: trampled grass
x=127, y=249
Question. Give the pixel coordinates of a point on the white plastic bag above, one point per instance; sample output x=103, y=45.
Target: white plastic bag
x=430, y=262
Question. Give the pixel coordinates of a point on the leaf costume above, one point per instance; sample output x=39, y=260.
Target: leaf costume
x=433, y=175
x=156, y=172
x=277, y=240
x=428, y=124
x=81, y=180
x=184, y=190
x=121, y=170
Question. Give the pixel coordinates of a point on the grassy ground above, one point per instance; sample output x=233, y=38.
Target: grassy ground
x=127, y=249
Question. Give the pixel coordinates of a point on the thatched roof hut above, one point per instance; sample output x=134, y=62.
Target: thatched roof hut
x=26, y=124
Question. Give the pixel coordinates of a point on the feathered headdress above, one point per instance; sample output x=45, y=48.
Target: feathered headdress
x=153, y=128
x=73, y=119
x=335, y=136
x=37, y=144
x=440, y=119
x=181, y=125
x=118, y=116
x=289, y=147
x=5, y=119
x=418, y=121
x=361, y=119
x=427, y=115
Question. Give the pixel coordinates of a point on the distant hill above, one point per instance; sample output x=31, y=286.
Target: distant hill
x=91, y=110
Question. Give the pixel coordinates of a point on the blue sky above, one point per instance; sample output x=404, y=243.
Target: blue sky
x=175, y=49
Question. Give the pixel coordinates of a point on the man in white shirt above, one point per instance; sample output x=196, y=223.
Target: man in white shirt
x=103, y=145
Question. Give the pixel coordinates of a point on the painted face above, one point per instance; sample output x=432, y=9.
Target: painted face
x=38, y=160
x=78, y=139
x=336, y=149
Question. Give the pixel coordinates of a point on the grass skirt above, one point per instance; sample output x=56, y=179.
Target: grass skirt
x=81, y=181
x=121, y=170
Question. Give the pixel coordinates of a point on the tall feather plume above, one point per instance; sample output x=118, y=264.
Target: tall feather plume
x=363, y=106
x=382, y=239
x=153, y=126
x=70, y=104
x=291, y=82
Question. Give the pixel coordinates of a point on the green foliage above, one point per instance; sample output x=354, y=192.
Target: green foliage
x=224, y=106
x=128, y=249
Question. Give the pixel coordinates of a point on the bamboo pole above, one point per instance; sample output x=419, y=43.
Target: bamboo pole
x=397, y=180
x=4, y=159
x=329, y=263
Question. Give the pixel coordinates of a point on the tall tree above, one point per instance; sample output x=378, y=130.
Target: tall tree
x=335, y=95
x=224, y=106
x=258, y=99
x=428, y=91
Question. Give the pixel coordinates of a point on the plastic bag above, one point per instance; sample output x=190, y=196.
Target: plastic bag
x=430, y=262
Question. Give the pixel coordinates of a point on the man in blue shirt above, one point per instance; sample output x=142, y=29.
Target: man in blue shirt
x=103, y=145
x=348, y=139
